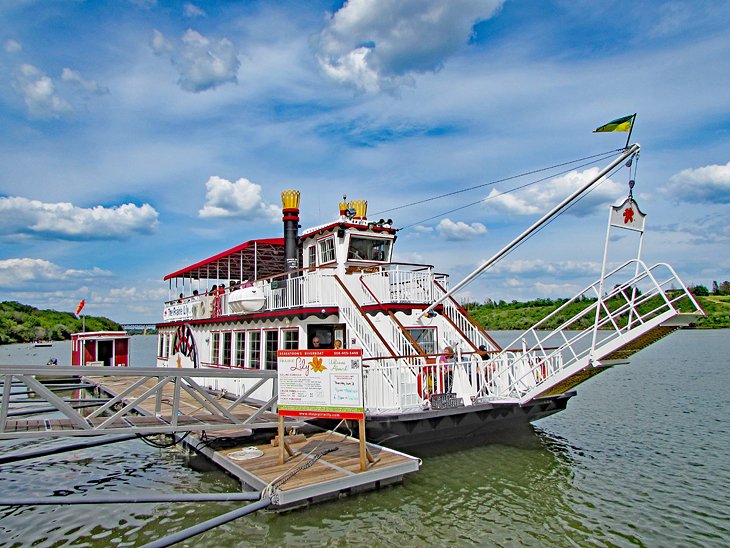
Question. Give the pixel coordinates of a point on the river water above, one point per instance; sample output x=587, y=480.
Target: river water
x=641, y=456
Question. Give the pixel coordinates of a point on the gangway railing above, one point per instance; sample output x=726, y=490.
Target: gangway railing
x=541, y=358
x=465, y=327
x=154, y=392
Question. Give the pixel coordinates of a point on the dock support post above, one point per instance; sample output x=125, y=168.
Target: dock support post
x=284, y=448
x=365, y=456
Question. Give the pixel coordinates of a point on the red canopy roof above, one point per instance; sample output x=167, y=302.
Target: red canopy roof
x=251, y=260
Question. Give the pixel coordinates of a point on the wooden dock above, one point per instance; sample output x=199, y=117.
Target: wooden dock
x=326, y=464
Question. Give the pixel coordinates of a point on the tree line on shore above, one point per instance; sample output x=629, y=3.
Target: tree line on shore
x=20, y=323
x=521, y=315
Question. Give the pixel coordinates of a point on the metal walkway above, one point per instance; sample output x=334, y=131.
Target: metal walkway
x=148, y=401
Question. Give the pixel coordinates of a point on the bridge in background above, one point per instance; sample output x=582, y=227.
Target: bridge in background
x=144, y=327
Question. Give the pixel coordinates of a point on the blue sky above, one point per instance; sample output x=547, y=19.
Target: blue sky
x=141, y=136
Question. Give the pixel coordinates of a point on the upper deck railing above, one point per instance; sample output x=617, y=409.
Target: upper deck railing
x=390, y=283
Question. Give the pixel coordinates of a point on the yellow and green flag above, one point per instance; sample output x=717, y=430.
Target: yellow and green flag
x=620, y=124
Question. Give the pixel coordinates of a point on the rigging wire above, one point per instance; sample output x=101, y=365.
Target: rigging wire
x=539, y=229
x=482, y=200
x=496, y=181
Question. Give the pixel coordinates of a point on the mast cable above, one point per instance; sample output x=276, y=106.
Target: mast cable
x=608, y=153
x=481, y=200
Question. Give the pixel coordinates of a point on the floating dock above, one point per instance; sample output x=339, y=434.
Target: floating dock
x=325, y=464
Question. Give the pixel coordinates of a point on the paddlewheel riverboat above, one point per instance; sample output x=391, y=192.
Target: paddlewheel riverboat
x=335, y=285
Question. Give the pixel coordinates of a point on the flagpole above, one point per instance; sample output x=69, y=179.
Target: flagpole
x=631, y=128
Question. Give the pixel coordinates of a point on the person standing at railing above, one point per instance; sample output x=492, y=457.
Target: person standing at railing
x=446, y=365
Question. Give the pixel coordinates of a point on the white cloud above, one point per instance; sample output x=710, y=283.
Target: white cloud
x=534, y=200
x=16, y=273
x=460, y=230
x=23, y=217
x=202, y=63
x=91, y=86
x=709, y=184
x=11, y=46
x=240, y=200
x=160, y=44
x=540, y=267
x=191, y=10
x=381, y=44
x=39, y=93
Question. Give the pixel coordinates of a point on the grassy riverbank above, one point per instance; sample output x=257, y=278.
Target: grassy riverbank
x=522, y=315
x=21, y=323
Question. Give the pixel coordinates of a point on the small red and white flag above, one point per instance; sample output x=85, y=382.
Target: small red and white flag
x=81, y=305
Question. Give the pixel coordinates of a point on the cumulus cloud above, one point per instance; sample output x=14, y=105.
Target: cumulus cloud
x=201, y=62
x=39, y=93
x=33, y=218
x=539, y=199
x=459, y=230
x=381, y=44
x=531, y=268
x=191, y=10
x=11, y=46
x=709, y=184
x=90, y=86
x=240, y=200
x=15, y=273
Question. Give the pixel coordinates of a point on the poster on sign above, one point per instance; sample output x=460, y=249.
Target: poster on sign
x=321, y=383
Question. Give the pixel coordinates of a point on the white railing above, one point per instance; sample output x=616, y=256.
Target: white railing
x=399, y=283
x=462, y=323
x=633, y=307
x=541, y=358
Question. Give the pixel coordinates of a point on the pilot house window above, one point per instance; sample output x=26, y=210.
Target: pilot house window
x=368, y=249
x=327, y=250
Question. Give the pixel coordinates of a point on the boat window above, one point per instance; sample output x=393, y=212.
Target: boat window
x=290, y=339
x=271, y=339
x=215, y=348
x=368, y=249
x=312, y=256
x=239, y=356
x=226, y=348
x=327, y=250
x=254, y=349
x=425, y=337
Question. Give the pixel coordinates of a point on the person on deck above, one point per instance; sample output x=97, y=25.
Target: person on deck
x=446, y=361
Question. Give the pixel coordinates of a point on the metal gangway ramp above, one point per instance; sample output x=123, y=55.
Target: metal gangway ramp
x=140, y=401
x=643, y=305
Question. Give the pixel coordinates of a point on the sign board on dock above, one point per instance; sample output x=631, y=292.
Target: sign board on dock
x=321, y=383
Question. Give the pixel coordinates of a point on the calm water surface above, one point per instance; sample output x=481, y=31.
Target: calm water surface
x=641, y=457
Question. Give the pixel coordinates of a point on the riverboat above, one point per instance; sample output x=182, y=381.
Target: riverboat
x=336, y=286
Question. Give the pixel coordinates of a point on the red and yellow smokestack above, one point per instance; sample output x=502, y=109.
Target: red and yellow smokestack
x=290, y=212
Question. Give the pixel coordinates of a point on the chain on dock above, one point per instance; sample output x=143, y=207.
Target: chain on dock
x=271, y=490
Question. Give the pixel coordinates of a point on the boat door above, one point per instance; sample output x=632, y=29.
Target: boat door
x=105, y=352
x=327, y=333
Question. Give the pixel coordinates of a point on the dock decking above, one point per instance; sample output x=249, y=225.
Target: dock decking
x=326, y=466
